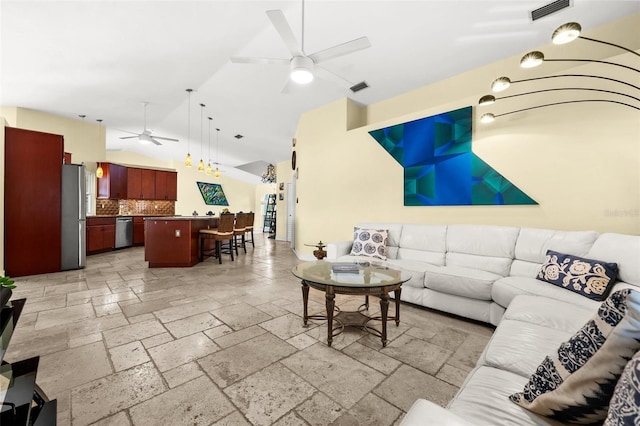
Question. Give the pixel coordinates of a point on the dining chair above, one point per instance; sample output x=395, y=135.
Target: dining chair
x=224, y=232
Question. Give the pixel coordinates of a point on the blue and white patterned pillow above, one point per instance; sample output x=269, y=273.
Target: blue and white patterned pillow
x=588, y=277
x=370, y=242
x=624, y=408
x=576, y=384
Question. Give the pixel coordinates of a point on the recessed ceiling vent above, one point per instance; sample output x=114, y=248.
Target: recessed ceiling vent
x=238, y=136
x=550, y=8
x=359, y=86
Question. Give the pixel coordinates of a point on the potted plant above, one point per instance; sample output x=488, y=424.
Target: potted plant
x=6, y=285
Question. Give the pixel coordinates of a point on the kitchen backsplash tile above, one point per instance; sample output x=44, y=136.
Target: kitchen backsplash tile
x=142, y=207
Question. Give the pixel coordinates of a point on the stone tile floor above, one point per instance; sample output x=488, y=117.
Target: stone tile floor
x=122, y=344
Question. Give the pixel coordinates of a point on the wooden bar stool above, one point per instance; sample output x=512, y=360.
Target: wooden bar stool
x=248, y=229
x=239, y=230
x=224, y=232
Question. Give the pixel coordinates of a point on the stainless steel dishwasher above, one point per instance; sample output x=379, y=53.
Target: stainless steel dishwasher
x=124, y=231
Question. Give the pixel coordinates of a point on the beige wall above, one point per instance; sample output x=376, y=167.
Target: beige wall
x=2, y=126
x=580, y=162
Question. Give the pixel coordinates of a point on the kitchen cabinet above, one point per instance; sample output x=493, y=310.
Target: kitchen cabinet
x=32, y=194
x=101, y=234
x=138, y=231
x=141, y=184
x=113, y=183
x=166, y=185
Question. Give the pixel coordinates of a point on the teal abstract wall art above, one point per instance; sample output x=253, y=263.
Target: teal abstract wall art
x=440, y=168
x=212, y=194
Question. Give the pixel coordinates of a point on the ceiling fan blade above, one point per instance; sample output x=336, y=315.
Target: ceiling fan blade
x=128, y=131
x=153, y=139
x=341, y=49
x=253, y=60
x=282, y=26
x=325, y=74
x=165, y=139
x=129, y=137
x=286, y=88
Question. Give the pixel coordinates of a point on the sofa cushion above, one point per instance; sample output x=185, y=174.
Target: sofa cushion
x=489, y=248
x=519, y=347
x=415, y=267
x=423, y=242
x=533, y=243
x=576, y=384
x=549, y=313
x=587, y=277
x=625, y=403
x=506, y=289
x=622, y=249
x=467, y=282
x=484, y=399
x=370, y=242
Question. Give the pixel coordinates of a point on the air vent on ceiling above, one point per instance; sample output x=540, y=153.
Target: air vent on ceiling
x=359, y=86
x=550, y=8
x=238, y=136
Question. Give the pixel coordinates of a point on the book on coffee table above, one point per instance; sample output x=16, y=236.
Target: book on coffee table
x=349, y=268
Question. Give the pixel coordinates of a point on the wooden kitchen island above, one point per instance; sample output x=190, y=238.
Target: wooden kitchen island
x=174, y=241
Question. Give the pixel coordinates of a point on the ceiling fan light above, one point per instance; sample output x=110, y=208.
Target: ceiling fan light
x=301, y=70
x=487, y=118
x=500, y=84
x=144, y=139
x=487, y=100
x=532, y=59
x=566, y=33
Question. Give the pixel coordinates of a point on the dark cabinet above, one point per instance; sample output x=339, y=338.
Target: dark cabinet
x=101, y=234
x=141, y=184
x=138, y=231
x=166, y=185
x=134, y=183
x=32, y=202
x=113, y=183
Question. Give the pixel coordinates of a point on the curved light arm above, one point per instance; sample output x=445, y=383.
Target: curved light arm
x=489, y=117
x=489, y=99
x=509, y=82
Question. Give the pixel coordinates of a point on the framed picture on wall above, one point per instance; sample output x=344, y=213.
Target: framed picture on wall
x=212, y=194
x=281, y=196
x=281, y=186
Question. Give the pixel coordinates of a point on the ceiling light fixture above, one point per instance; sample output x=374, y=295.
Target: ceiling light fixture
x=187, y=161
x=270, y=175
x=209, y=169
x=99, y=171
x=489, y=117
x=490, y=99
x=536, y=58
x=201, y=163
x=301, y=70
x=217, y=172
x=501, y=84
x=566, y=33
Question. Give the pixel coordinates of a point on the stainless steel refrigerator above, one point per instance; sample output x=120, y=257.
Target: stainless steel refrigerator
x=74, y=252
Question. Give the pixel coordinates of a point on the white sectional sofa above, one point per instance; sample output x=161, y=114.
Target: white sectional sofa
x=487, y=273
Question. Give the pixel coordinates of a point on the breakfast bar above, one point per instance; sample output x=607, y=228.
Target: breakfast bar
x=174, y=241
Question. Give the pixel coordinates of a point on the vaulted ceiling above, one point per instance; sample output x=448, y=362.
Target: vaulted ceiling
x=103, y=59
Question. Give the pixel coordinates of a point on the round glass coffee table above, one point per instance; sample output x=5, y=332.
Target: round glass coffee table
x=352, y=278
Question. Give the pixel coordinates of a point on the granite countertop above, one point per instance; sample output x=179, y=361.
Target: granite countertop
x=180, y=217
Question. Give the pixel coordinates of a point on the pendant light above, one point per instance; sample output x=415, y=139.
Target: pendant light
x=209, y=169
x=201, y=163
x=99, y=171
x=187, y=161
x=217, y=172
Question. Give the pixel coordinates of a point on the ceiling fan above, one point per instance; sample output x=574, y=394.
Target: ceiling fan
x=303, y=67
x=146, y=137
